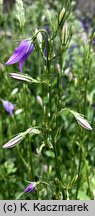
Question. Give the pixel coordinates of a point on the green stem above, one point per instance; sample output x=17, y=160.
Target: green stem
x=45, y=183
x=50, y=105
x=85, y=96
x=50, y=117
x=22, y=159
x=32, y=168
x=51, y=120
x=31, y=162
x=89, y=188
x=85, y=63
x=79, y=172
x=56, y=162
x=40, y=30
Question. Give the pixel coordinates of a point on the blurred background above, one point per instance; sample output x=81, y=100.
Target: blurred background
x=86, y=7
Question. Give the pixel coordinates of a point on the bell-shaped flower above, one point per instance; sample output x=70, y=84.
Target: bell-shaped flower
x=21, y=53
x=31, y=187
x=8, y=106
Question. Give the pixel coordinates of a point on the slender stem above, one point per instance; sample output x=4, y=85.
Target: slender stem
x=40, y=30
x=59, y=104
x=56, y=161
x=50, y=105
x=79, y=170
x=87, y=61
x=89, y=188
x=17, y=198
x=45, y=183
x=31, y=162
x=32, y=168
x=85, y=96
x=23, y=160
x=50, y=117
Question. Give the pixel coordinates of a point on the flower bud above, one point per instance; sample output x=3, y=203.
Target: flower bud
x=39, y=100
x=69, y=74
x=64, y=33
x=16, y=140
x=84, y=38
x=32, y=131
x=58, y=68
x=22, y=77
x=14, y=91
x=31, y=187
x=81, y=121
x=61, y=15
x=39, y=38
x=1, y=67
x=18, y=111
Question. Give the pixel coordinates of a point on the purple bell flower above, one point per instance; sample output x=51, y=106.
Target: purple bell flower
x=21, y=53
x=9, y=107
x=31, y=187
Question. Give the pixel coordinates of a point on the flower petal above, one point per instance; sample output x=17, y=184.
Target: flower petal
x=9, y=107
x=30, y=188
x=22, y=49
x=23, y=59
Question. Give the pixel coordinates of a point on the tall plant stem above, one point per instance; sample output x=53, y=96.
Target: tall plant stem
x=52, y=120
x=22, y=159
x=86, y=61
x=79, y=172
x=32, y=168
x=31, y=162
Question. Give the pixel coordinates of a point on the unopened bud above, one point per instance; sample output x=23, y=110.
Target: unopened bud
x=84, y=38
x=14, y=91
x=81, y=121
x=76, y=81
x=69, y=74
x=34, y=123
x=1, y=67
x=58, y=67
x=16, y=140
x=30, y=188
x=61, y=15
x=39, y=100
x=18, y=111
x=39, y=38
x=64, y=33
